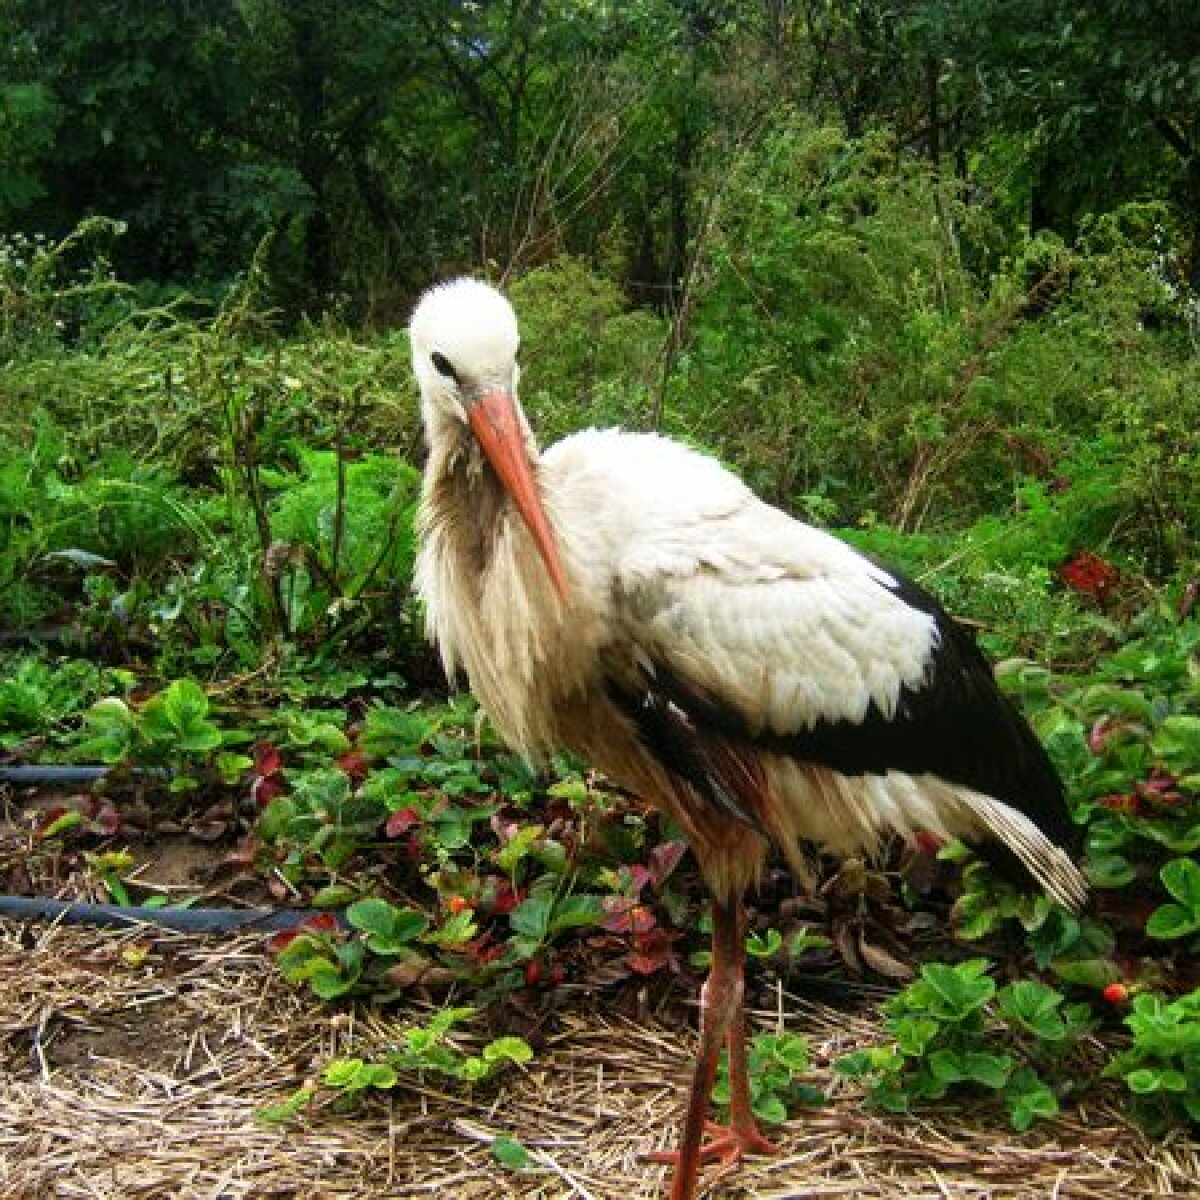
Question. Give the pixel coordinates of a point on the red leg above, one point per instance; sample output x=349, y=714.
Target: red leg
x=721, y=1020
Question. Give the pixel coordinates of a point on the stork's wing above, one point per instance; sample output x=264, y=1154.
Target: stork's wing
x=757, y=627
x=778, y=622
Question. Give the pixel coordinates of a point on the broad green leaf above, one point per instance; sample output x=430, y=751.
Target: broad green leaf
x=770, y=1109
x=1095, y=973
x=1177, y=742
x=510, y=1153
x=1109, y=871
x=991, y=1070
x=913, y=1034
x=1033, y=1007
x=1172, y=921
x=1181, y=877
x=571, y=912
x=1028, y=1098
x=511, y=1049
x=531, y=918
x=379, y=1075
x=791, y=1051
x=1143, y=1081
x=959, y=990
x=372, y=915
x=343, y=1072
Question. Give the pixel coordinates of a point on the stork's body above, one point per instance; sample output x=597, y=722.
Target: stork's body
x=625, y=598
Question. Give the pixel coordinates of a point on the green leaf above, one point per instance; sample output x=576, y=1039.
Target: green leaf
x=510, y=1049
x=758, y=946
x=1095, y=973
x=389, y=928
x=517, y=847
x=1172, y=921
x=572, y=912
x=473, y=1069
x=1177, y=743
x=856, y=1064
x=947, y=1066
x=510, y=1153
x=334, y=895
x=770, y=1109
x=1143, y=1081
x=953, y=992
x=913, y=1033
x=1181, y=877
x=63, y=824
x=1028, y=1098
x=531, y=918
x=371, y=915
x=379, y=1075
x=287, y=1110
x=328, y=982
x=790, y=1051
x=1033, y=1007
x=343, y=1072
x=1109, y=871
x=991, y=1070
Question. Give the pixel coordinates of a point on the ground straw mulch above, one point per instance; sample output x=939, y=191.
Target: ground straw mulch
x=133, y=1065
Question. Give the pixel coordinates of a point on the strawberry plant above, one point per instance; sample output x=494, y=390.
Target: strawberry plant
x=173, y=728
x=1161, y=1067
x=776, y=1063
x=953, y=1029
x=1181, y=917
x=419, y=1049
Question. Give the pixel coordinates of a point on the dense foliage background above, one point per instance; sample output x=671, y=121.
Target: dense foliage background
x=925, y=271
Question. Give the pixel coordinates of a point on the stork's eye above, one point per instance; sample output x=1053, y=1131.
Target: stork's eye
x=443, y=365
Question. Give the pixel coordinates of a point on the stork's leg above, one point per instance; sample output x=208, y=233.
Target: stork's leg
x=721, y=1020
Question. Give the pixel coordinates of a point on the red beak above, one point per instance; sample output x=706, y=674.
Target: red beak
x=500, y=434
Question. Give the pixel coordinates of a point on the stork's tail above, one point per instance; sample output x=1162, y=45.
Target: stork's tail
x=1049, y=864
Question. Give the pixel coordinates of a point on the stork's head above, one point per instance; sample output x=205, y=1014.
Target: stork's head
x=464, y=349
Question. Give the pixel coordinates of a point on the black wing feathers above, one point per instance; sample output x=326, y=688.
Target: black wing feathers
x=957, y=725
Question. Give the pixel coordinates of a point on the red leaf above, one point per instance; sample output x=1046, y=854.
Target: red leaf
x=267, y=759
x=279, y=942
x=625, y=915
x=356, y=764
x=1101, y=732
x=652, y=952
x=265, y=788
x=1089, y=575
x=320, y=923
x=639, y=876
x=664, y=858
x=401, y=821
x=507, y=898
x=1120, y=803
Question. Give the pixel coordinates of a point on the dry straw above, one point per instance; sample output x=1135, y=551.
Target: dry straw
x=133, y=1065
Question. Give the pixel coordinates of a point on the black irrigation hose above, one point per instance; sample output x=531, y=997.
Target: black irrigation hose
x=177, y=920
x=64, y=774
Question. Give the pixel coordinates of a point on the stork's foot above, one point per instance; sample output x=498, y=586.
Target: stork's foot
x=726, y=1144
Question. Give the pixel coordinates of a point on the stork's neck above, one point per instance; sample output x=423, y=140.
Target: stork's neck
x=464, y=504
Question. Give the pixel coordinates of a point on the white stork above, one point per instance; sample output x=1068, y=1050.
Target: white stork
x=625, y=598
